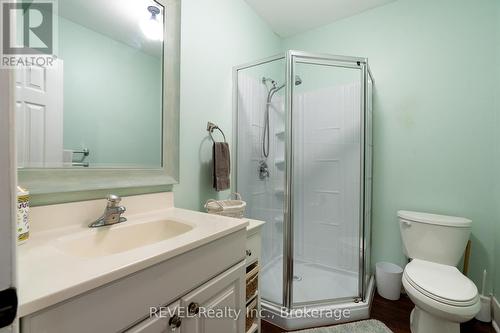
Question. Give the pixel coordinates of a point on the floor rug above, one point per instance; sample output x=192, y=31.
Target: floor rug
x=365, y=326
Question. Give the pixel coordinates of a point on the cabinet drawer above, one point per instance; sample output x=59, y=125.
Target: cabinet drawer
x=162, y=321
x=253, y=248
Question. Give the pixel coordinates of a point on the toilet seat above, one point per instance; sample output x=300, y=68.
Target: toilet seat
x=442, y=283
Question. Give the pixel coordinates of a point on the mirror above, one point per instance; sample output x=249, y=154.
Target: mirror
x=100, y=105
x=106, y=114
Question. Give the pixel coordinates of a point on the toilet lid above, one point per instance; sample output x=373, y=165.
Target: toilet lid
x=442, y=283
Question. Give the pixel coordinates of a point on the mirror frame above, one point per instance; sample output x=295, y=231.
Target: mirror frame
x=59, y=183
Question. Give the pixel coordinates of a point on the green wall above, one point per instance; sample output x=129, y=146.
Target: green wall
x=110, y=91
x=216, y=35
x=497, y=145
x=434, y=113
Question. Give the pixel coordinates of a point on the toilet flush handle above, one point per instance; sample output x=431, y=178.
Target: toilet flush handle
x=407, y=223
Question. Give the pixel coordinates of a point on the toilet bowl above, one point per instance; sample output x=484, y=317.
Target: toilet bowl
x=442, y=295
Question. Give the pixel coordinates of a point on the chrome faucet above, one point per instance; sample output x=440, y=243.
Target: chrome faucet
x=112, y=213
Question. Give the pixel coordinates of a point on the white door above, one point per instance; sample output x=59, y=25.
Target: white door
x=8, y=297
x=209, y=307
x=39, y=116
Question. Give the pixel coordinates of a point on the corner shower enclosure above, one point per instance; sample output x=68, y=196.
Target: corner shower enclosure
x=303, y=164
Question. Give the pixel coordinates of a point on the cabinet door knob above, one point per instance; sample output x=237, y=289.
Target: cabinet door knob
x=193, y=308
x=249, y=253
x=175, y=322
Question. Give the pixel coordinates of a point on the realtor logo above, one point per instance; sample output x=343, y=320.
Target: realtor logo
x=28, y=32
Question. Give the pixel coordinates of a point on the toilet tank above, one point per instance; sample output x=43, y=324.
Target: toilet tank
x=436, y=238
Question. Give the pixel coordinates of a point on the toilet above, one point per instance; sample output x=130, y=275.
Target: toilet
x=442, y=295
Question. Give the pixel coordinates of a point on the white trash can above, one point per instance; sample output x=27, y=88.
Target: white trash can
x=388, y=277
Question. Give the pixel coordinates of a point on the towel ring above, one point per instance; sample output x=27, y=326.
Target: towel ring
x=211, y=127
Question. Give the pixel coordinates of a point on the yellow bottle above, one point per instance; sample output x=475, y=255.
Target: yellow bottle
x=23, y=208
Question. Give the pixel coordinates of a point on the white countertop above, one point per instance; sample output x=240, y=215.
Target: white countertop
x=48, y=275
x=253, y=225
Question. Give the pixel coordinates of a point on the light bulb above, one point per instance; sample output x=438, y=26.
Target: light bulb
x=152, y=27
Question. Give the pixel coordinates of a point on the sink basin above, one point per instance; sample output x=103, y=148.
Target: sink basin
x=119, y=238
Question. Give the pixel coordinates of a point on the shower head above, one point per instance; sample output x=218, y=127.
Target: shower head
x=298, y=80
x=275, y=87
x=268, y=79
x=273, y=90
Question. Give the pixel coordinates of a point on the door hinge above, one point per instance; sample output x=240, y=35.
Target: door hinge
x=8, y=306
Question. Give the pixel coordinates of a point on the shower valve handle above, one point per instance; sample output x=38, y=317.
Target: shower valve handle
x=263, y=170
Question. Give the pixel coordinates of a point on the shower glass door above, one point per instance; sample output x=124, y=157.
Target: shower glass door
x=260, y=175
x=326, y=181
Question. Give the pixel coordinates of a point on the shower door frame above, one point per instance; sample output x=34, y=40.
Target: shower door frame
x=291, y=57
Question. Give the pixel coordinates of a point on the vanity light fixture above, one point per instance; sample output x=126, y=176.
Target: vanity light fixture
x=152, y=27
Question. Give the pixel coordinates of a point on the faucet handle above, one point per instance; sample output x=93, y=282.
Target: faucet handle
x=113, y=200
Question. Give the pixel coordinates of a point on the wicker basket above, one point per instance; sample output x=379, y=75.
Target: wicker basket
x=231, y=207
x=251, y=314
x=252, y=279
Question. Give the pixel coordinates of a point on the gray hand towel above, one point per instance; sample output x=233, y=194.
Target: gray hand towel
x=222, y=166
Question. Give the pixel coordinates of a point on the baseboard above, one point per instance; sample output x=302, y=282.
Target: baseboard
x=496, y=315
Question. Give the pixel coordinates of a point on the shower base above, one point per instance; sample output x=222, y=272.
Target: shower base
x=313, y=283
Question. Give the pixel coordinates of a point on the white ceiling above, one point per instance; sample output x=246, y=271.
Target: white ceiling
x=290, y=17
x=117, y=19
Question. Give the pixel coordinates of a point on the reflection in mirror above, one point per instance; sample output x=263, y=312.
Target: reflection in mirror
x=100, y=105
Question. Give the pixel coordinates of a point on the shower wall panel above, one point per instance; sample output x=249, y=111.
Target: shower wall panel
x=327, y=159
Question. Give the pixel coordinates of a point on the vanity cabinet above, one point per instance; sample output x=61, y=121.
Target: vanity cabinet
x=211, y=276
x=253, y=247
x=200, y=311
x=207, y=306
